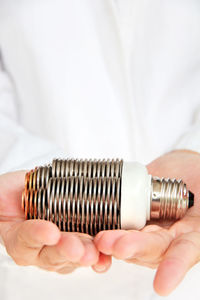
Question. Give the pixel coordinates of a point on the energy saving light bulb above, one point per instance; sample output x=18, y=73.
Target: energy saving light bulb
x=93, y=195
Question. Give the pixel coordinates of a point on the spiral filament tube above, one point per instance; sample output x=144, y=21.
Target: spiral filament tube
x=87, y=195
x=82, y=196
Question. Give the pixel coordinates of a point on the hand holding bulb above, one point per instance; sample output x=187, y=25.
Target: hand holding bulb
x=38, y=242
x=85, y=196
x=174, y=248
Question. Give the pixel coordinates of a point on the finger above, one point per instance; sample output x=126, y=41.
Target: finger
x=68, y=250
x=24, y=240
x=11, y=187
x=103, y=264
x=147, y=246
x=182, y=254
x=105, y=240
x=16, y=178
x=91, y=254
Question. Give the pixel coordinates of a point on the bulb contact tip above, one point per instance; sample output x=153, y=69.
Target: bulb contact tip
x=191, y=199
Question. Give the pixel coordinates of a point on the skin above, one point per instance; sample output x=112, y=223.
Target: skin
x=171, y=248
x=38, y=242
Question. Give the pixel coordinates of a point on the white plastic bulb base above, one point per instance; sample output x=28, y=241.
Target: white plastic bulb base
x=135, y=195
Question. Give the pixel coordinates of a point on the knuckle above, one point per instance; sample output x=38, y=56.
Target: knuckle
x=50, y=264
x=52, y=259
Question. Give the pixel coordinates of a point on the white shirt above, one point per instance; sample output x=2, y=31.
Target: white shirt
x=96, y=79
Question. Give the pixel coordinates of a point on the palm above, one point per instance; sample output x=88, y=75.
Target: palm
x=160, y=244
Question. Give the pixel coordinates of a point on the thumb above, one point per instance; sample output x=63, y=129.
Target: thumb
x=183, y=253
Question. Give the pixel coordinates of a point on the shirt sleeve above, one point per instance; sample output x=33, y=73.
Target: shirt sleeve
x=190, y=140
x=19, y=149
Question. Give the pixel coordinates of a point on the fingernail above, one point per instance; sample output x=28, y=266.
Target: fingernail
x=100, y=268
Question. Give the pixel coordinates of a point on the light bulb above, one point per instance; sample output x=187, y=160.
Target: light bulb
x=93, y=195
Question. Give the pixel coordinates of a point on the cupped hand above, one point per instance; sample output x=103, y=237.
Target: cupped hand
x=172, y=248
x=39, y=242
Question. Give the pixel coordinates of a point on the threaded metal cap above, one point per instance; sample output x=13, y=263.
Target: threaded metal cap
x=170, y=198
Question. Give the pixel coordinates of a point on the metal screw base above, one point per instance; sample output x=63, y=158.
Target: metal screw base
x=170, y=198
